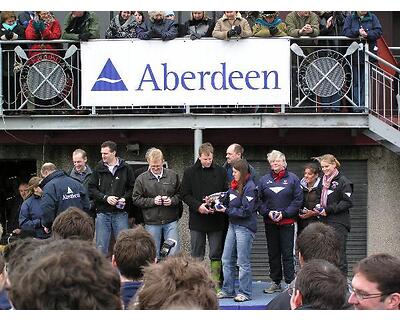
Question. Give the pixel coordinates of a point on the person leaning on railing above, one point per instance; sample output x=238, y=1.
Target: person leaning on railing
x=232, y=25
x=269, y=25
x=123, y=25
x=81, y=26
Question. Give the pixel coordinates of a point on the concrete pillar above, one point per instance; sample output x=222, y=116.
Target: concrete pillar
x=198, y=140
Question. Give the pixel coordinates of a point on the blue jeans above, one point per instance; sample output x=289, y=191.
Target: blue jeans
x=105, y=222
x=169, y=231
x=240, y=238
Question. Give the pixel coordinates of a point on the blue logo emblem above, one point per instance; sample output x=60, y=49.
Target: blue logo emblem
x=109, y=79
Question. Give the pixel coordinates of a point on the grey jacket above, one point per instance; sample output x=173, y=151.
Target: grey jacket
x=147, y=187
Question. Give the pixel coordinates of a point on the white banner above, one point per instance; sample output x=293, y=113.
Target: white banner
x=180, y=71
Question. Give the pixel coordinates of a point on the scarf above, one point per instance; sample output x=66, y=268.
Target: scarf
x=278, y=176
x=235, y=184
x=326, y=182
x=267, y=24
x=9, y=27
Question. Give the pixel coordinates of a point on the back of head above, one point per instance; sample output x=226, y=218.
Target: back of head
x=67, y=274
x=47, y=168
x=322, y=285
x=382, y=269
x=133, y=250
x=73, y=223
x=177, y=275
x=319, y=241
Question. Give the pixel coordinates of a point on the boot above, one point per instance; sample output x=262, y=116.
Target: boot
x=216, y=266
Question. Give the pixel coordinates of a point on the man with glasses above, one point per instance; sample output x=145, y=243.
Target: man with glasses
x=376, y=283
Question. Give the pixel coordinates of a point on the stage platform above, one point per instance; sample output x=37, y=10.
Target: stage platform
x=258, y=302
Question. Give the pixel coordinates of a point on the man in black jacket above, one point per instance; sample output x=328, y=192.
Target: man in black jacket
x=200, y=180
x=111, y=183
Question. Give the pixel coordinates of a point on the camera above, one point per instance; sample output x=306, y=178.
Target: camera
x=166, y=248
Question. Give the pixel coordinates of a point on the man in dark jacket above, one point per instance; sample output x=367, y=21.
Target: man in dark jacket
x=157, y=26
x=110, y=185
x=199, y=181
x=59, y=193
x=156, y=192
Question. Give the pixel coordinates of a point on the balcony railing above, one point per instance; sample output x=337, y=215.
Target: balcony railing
x=327, y=74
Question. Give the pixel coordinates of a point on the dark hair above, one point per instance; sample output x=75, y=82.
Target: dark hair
x=16, y=253
x=110, y=144
x=180, y=273
x=314, y=167
x=133, y=250
x=67, y=275
x=382, y=269
x=322, y=285
x=242, y=166
x=319, y=241
x=73, y=223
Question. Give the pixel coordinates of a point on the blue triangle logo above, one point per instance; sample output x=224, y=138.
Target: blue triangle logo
x=109, y=79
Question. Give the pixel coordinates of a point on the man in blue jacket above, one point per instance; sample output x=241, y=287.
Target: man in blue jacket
x=59, y=193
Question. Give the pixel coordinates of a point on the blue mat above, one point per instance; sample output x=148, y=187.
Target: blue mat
x=258, y=302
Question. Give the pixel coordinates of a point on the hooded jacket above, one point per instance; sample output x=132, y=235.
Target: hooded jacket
x=119, y=29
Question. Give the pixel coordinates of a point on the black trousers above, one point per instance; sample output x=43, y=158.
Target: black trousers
x=280, y=243
x=342, y=233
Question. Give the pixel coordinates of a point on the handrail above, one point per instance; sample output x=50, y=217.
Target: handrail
x=382, y=60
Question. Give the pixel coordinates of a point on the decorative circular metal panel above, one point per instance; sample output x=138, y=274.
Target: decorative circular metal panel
x=46, y=79
x=325, y=73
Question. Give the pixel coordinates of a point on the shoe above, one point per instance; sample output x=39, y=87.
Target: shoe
x=273, y=288
x=222, y=295
x=241, y=298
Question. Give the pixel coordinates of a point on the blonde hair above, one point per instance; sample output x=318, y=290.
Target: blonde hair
x=275, y=155
x=155, y=154
x=329, y=158
x=33, y=183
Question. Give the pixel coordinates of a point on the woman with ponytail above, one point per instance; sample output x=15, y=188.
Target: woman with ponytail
x=241, y=207
x=336, y=200
x=31, y=213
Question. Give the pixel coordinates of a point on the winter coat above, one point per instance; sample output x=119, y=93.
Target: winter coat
x=30, y=216
x=147, y=187
x=51, y=32
x=127, y=29
x=197, y=183
x=202, y=28
x=74, y=26
x=242, y=209
x=164, y=29
x=103, y=183
x=60, y=192
x=311, y=197
x=223, y=25
x=285, y=196
x=370, y=24
x=294, y=23
x=262, y=28
x=339, y=201
x=18, y=33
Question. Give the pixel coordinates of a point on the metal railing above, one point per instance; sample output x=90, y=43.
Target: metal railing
x=384, y=89
x=324, y=77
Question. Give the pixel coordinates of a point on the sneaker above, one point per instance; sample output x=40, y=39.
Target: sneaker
x=274, y=287
x=222, y=295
